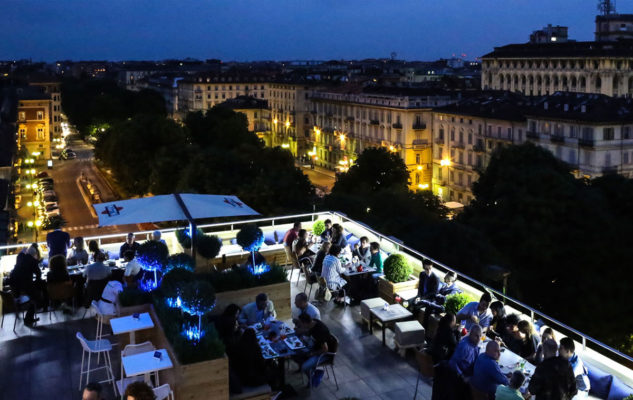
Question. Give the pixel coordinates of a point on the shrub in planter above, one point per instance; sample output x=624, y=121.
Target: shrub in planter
x=397, y=268
x=243, y=278
x=174, y=281
x=457, y=301
x=208, y=246
x=134, y=297
x=318, y=227
x=182, y=235
x=250, y=237
x=152, y=255
x=179, y=260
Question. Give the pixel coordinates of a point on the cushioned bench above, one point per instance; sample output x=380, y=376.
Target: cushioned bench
x=368, y=304
x=409, y=334
x=606, y=386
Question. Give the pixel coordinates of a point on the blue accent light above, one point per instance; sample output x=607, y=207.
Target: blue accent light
x=259, y=269
x=147, y=285
x=257, y=244
x=193, y=333
x=174, y=303
x=195, y=309
x=149, y=264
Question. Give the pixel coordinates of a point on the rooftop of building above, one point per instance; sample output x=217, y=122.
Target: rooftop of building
x=614, y=17
x=586, y=107
x=622, y=48
x=31, y=93
x=500, y=105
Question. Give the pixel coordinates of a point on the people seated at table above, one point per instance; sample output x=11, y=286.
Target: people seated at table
x=248, y=362
x=338, y=236
x=375, y=260
x=476, y=313
x=548, y=333
x=139, y=391
x=57, y=242
x=78, y=254
x=497, y=326
x=512, y=390
x=130, y=244
x=258, y=311
x=132, y=268
x=26, y=279
x=97, y=270
x=428, y=286
x=446, y=338
x=302, y=305
x=92, y=391
x=362, y=251
x=301, y=245
x=332, y=273
x=487, y=374
x=322, y=342
x=320, y=256
x=93, y=249
x=529, y=340
x=326, y=235
x=463, y=359
x=156, y=236
x=57, y=270
x=554, y=378
x=567, y=350
x=512, y=337
x=228, y=328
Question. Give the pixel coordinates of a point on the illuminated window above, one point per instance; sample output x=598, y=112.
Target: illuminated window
x=22, y=116
x=40, y=115
x=23, y=133
x=40, y=133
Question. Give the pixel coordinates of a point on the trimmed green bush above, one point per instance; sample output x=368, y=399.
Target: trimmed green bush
x=318, y=227
x=397, y=268
x=208, y=246
x=242, y=278
x=250, y=237
x=152, y=255
x=179, y=260
x=457, y=301
x=174, y=281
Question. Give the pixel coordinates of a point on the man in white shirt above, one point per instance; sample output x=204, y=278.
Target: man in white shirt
x=132, y=267
x=302, y=305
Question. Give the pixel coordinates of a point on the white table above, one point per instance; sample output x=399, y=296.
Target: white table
x=393, y=313
x=130, y=325
x=145, y=363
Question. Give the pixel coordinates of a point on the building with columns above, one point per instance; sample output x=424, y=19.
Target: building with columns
x=536, y=69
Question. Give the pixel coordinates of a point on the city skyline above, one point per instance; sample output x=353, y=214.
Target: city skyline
x=280, y=30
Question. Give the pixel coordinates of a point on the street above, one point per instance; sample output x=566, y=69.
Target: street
x=323, y=179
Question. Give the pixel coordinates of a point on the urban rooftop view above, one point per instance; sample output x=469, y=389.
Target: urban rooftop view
x=218, y=202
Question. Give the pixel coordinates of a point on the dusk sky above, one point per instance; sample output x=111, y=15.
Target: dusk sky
x=247, y=30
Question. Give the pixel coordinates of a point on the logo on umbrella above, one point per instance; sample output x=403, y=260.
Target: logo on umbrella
x=112, y=210
x=232, y=202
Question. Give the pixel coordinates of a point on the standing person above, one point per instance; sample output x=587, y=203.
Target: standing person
x=332, y=270
x=554, y=378
x=289, y=239
x=92, y=391
x=326, y=235
x=446, y=339
x=512, y=392
x=58, y=242
x=567, y=350
x=78, y=255
x=376, y=258
x=362, y=251
x=463, y=360
x=476, y=313
x=130, y=244
x=26, y=278
x=487, y=374
x=258, y=311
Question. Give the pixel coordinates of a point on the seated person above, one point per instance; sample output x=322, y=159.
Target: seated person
x=92, y=391
x=497, y=326
x=107, y=302
x=511, y=392
x=530, y=340
x=446, y=338
x=566, y=350
x=97, y=270
x=512, y=337
x=548, y=333
x=428, y=286
x=375, y=261
x=139, y=391
x=476, y=313
x=156, y=236
x=320, y=256
x=258, y=311
x=130, y=244
x=487, y=374
x=447, y=288
x=93, y=249
x=132, y=268
x=338, y=236
x=228, y=327
x=362, y=251
x=78, y=255
x=248, y=362
x=301, y=245
x=332, y=270
x=26, y=279
x=326, y=235
x=302, y=305
x=463, y=360
x=57, y=270
x=323, y=342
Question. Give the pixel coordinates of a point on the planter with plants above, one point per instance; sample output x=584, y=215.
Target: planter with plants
x=207, y=246
x=318, y=227
x=397, y=278
x=457, y=301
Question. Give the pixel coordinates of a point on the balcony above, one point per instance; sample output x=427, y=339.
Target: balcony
x=419, y=144
x=459, y=145
x=419, y=126
x=350, y=119
x=586, y=142
x=439, y=140
x=479, y=148
x=374, y=122
x=557, y=138
x=397, y=125
x=532, y=135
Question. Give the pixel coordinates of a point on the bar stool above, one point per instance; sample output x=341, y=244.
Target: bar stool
x=164, y=392
x=95, y=347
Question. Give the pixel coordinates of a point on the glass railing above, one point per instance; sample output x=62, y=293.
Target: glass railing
x=594, y=351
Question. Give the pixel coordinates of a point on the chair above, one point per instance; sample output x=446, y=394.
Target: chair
x=14, y=304
x=311, y=278
x=368, y=304
x=326, y=360
x=129, y=350
x=477, y=394
x=95, y=347
x=94, y=290
x=164, y=392
x=425, y=367
x=101, y=318
x=61, y=291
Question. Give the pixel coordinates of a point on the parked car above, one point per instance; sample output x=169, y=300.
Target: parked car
x=49, y=192
x=50, y=203
x=42, y=174
x=70, y=155
x=44, y=186
x=52, y=213
x=50, y=199
x=44, y=180
x=52, y=207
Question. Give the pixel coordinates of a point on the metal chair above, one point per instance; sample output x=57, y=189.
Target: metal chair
x=311, y=277
x=95, y=347
x=14, y=304
x=129, y=350
x=326, y=360
x=101, y=319
x=164, y=392
x=425, y=368
x=61, y=291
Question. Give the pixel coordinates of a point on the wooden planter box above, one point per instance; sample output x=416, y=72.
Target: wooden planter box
x=278, y=293
x=276, y=256
x=387, y=289
x=197, y=381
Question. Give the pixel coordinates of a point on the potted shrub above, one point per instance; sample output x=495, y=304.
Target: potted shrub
x=251, y=238
x=397, y=277
x=152, y=256
x=457, y=301
x=208, y=246
x=179, y=260
x=318, y=227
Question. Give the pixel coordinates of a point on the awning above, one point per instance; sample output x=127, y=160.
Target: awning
x=169, y=208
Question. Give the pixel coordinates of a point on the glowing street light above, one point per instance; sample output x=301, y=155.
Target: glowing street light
x=287, y=124
x=275, y=121
x=419, y=168
x=423, y=186
x=38, y=223
x=285, y=145
x=30, y=204
x=446, y=162
x=30, y=224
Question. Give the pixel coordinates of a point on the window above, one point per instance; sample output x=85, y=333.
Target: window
x=499, y=132
x=439, y=174
x=40, y=133
x=417, y=159
x=452, y=176
x=23, y=133
x=470, y=180
x=417, y=178
x=441, y=132
x=452, y=134
x=625, y=158
x=480, y=162
x=573, y=132
x=608, y=134
x=470, y=138
x=607, y=159
x=626, y=132
x=587, y=133
x=40, y=115
x=470, y=158
x=520, y=135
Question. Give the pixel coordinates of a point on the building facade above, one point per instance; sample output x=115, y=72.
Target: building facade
x=257, y=114
x=53, y=88
x=33, y=122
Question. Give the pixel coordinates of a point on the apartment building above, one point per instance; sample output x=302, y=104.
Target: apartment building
x=347, y=121
x=256, y=112
x=53, y=88
x=33, y=122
